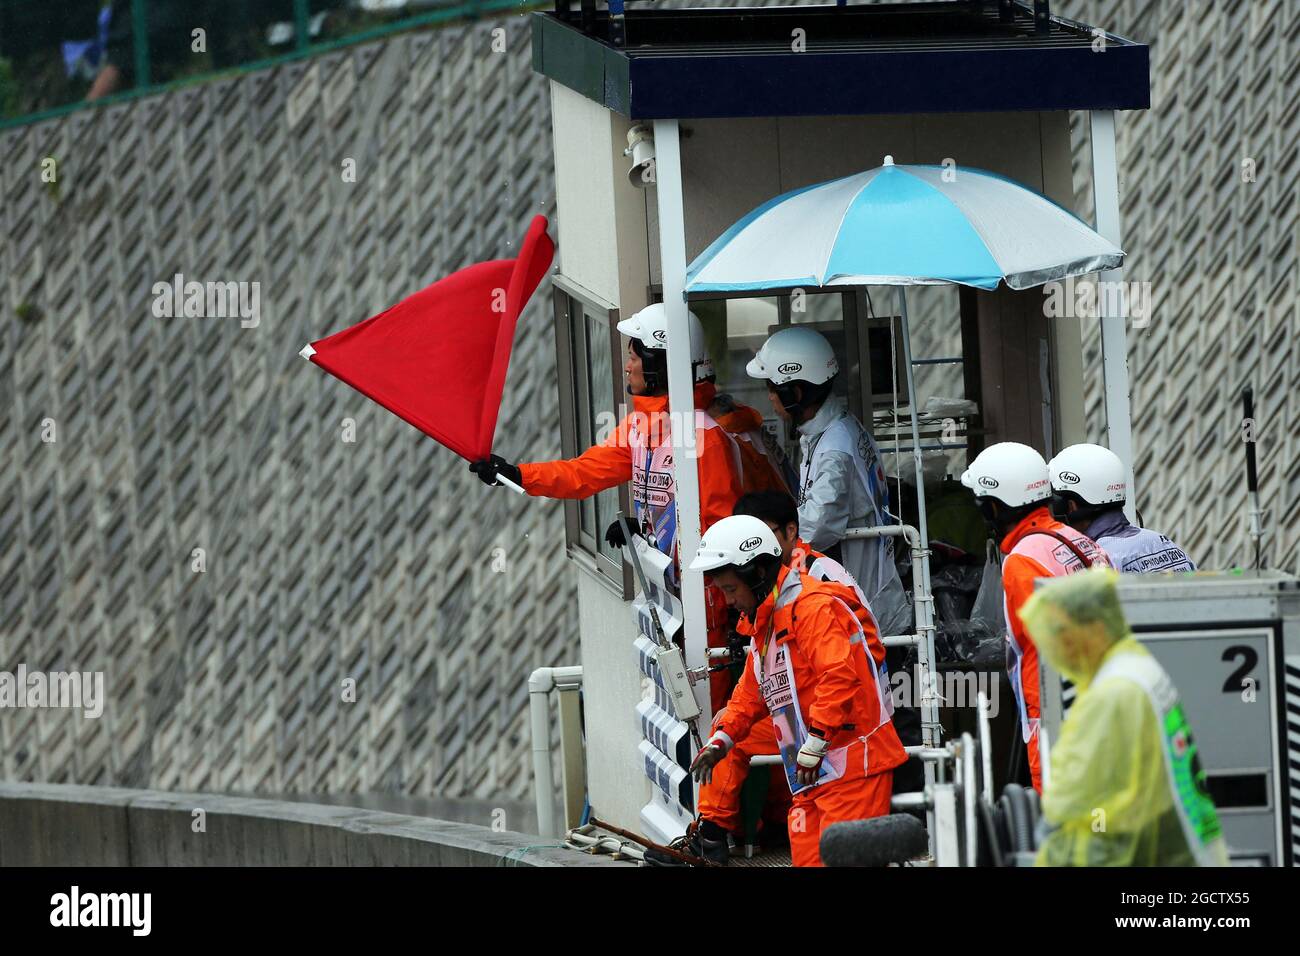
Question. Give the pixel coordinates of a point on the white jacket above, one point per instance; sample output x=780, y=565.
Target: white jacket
x=1137, y=550
x=842, y=485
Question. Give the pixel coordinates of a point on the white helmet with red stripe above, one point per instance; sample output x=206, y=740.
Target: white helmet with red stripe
x=649, y=328
x=795, y=354
x=1011, y=473
x=735, y=541
x=1092, y=472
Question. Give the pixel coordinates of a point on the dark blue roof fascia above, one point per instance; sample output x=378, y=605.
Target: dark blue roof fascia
x=691, y=70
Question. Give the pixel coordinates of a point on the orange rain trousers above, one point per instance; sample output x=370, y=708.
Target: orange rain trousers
x=849, y=798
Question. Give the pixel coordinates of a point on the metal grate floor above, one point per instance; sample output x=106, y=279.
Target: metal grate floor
x=768, y=858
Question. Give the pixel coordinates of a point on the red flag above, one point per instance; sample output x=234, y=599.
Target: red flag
x=438, y=358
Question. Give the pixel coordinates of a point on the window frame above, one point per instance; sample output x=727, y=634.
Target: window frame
x=573, y=346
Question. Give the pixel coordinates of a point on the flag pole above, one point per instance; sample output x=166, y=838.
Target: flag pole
x=503, y=480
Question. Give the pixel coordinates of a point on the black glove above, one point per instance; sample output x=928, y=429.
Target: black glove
x=488, y=469
x=616, y=534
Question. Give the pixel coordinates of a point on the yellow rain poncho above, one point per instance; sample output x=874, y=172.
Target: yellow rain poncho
x=1126, y=787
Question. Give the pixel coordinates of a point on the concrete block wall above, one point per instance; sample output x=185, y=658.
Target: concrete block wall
x=63, y=825
x=381, y=560
x=1221, y=256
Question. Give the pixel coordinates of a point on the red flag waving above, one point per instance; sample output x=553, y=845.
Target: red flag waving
x=438, y=358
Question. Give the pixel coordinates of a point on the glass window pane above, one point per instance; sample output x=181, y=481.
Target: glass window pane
x=818, y=308
x=824, y=311
x=934, y=315
x=749, y=323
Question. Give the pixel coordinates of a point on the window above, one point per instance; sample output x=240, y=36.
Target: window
x=745, y=323
x=590, y=360
x=864, y=331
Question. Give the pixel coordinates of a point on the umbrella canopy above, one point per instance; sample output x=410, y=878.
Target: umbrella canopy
x=903, y=225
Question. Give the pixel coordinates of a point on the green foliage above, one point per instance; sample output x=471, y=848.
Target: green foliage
x=8, y=89
x=27, y=312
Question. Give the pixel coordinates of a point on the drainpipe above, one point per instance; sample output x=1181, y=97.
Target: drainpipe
x=540, y=684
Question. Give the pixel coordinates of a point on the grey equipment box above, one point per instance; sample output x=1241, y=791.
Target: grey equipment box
x=1231, y=642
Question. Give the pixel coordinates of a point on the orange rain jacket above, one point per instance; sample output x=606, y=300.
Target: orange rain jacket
x=610, y=463
x=835, y=684
x=720, y=797
x=802, y=557
x=745, y=424
x=1019, y=571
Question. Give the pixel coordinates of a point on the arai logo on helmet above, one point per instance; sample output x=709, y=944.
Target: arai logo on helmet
x=749, y=544
x=789, y=368
x=660, y=335
x=1069, y=478
x=988, y=482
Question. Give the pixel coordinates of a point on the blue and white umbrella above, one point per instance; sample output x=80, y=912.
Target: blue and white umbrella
x=903, y=225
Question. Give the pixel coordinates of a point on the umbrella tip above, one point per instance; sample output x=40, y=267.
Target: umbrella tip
x=307, y=352
x=889, y=160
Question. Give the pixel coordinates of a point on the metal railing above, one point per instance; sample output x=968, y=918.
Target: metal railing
x=55, y=58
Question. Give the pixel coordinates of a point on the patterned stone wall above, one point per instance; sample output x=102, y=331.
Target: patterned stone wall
x=1220, y=254
x=373, y=560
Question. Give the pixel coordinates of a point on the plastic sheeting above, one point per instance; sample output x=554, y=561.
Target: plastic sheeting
x=1110, y=801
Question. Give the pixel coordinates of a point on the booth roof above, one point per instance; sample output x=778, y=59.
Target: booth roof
x=955, y=57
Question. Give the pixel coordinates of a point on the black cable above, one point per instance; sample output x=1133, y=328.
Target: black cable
x=1020, y=818
x=989, y=843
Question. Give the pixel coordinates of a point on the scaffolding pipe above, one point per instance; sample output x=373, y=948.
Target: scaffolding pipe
x=969, y=797
x=540, y=684
x=933, y=754
x=923, y=638
x=921, y=753
x=924, y=609
x=919, y=593
x=986, y=745
x=911, y=801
